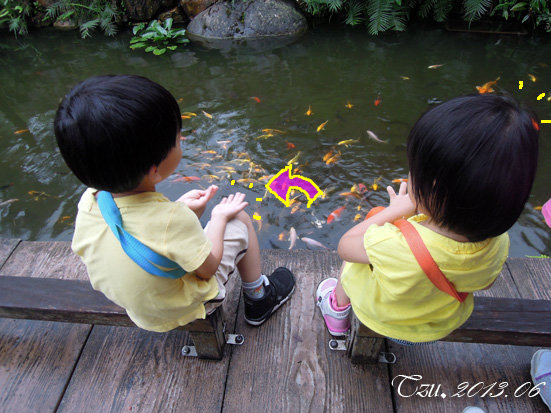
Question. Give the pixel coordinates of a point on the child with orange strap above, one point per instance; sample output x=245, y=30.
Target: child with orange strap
x=472, y=162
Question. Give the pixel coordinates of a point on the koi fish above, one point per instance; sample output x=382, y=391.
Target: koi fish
x=228, y=169
x=399, y=180
x=185, y=117
x=265, y=136
x=378, y=100
x=348, y=142
x=9, y=201
x=375, y=184
x=264, y=178
x=322, y=126
x=316, y=222
x=209, y=152
x=487, y=87
x=39, y=194
x=186, y=179
x=200, y=165
x=538, y=208
x=354, y=194
x=434, y=66
x=295, y=208
x=247, y=181
x=326, y=191
x=290, y=145
x=189, y=114
x=17, y=132
x=64, y=218
x=328, y=155
x=223, y=144
x=404, y=78
x=256, y=99
x=292, y=238
x=294, y=159
x=208, y=115
x=535, y=125
x=273, y=131
x=357, y=217
x=313, y=242
x=335, y=214
x=281, y=236
x=210, y=178
x=375, y=137
x=333, y=159
x=532, y=77
x=348, y=105
x=361, y=188
x=309, y=111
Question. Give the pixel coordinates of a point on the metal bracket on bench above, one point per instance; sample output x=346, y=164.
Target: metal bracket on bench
x=235, y=339
x=340, y=345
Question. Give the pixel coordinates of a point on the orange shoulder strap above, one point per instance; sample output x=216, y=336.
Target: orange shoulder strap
x=425, y=260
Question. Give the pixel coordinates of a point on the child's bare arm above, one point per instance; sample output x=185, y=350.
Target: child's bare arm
x=227, y=209
x=351, y=245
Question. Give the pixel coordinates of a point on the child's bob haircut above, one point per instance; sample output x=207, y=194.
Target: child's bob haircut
x=112, y=129
x=472, y=162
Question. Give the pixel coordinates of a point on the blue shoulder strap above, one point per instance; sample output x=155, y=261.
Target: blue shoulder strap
x=141, y=254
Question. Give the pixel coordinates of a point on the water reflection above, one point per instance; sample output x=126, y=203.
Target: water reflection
x=248, y=90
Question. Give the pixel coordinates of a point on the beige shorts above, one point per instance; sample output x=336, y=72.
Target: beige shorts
x=236, y=241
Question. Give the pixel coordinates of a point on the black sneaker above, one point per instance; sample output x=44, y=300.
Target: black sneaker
x=278, y=290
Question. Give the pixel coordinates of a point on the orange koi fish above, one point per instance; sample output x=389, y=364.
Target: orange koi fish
x=535, y=125
x=357, y=217
x=190, y=114
x=375, y=184
x=295, y=209
x=399, y=180
x=17, y=132
x=333, y=159
x=256, y=99
x=208, y=152
x=378, y=100
x=185, y=117
x=309, y=111
x=273, y=131
x=538, y=208
x=532, y=77
x=208, y=115
x=487, y=87
x=354, y=194
x=335, y=214
x=281, y=236
x=290, y=145
x=348, y=105
x=361, y=188
x=186, y=179
x=322, y=126
x=328, y=155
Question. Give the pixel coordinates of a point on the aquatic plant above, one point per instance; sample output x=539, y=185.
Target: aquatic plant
x=15, y=13
x=157, y=38
x=88, y=15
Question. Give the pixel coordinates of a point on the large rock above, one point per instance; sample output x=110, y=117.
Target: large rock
x=248, y=19
x=193, y=7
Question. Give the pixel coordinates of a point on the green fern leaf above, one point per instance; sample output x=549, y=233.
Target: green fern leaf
x=475, y=9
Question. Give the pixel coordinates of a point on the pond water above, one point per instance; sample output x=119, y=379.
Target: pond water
x=248, y=89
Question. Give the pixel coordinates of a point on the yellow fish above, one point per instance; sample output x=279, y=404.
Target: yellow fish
x=200, y=165
x=185, y=117
x=322, y=126
x=333, y=159
x=227, y=168
x=264, y=178
x=208, y=115
x=295, y=158
x=349, y=105
x=538, y=208
x=348, y=142
x=357, y=217
x=309, y=112
x=375, y=185
x=404, y=77
x=247, y=181
x=532, y=77
x=487, y=87
x=210, y=151
x=266, y=136
x=328, y=155
x=17, y=132
x=273, y=131
x=189, y=114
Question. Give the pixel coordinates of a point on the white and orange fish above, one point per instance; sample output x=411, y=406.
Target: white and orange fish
x=335, y=215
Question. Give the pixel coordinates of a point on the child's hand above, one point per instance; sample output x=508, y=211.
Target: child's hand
x=401, y=204
x=229, y=207
x=197, y=199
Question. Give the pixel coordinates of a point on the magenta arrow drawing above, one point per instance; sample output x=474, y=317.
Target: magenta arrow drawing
x=281, y=183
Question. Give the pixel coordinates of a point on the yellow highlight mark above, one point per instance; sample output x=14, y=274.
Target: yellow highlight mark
x=545, y=121
x=541, y=96
x=520, y=84
x=257, y=217
x=251, y=185
x=259, y=199
x=232, y=181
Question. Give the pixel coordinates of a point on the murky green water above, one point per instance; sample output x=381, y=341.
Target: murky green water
x=325, y=69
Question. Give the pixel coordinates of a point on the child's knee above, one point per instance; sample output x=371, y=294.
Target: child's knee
x=245, y=218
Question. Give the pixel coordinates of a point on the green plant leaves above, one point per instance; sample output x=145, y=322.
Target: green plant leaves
x=157, y=38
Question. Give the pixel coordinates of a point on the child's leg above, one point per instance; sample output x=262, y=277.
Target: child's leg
x=262, y=295
x=334, y=305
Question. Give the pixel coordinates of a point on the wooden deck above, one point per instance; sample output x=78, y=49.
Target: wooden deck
x=284, y=365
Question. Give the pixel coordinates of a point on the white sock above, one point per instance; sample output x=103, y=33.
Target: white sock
x=255, y=289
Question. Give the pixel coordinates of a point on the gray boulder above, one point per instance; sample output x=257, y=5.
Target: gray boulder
x=247, y=20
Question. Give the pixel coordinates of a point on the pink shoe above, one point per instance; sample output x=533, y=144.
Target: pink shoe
x=336, y=320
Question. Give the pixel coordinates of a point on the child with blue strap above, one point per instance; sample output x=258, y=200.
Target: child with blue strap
x=120, y=135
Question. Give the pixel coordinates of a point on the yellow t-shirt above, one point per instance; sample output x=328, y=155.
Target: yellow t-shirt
x=170, y=229
x=396, y=298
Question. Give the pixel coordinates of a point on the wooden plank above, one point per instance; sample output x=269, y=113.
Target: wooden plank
x=7, y=246
x=131, y=370
x=45, y=259
x=37, y=358
x=450, y=364
x=286, y=364
x=532, y=277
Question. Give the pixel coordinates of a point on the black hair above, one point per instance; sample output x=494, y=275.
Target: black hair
x=112, y=129
x=473, y=161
